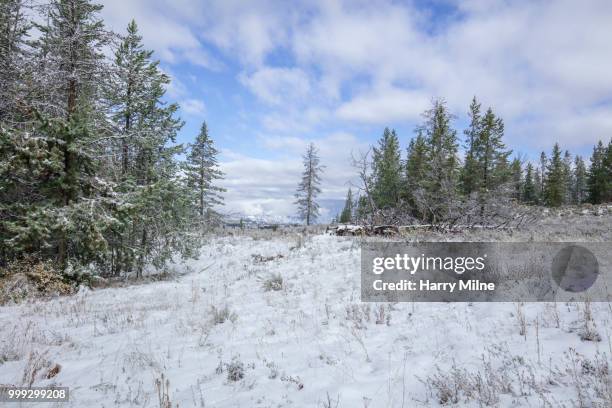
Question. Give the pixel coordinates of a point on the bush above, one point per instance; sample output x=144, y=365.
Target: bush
x=274, y=282
x=31, y=277
x=235, y=370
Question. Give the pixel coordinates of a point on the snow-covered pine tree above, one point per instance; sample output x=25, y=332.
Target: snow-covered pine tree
x=517, y=178
x=554, y=188
x=308, y=189
x=529, y=195
x=69, y=194
x=128, y=93
x=14, y=27
x=36, y=217
x=386, y=171
x=542, y=179
x=490, y=155
x=416, y=168
x=568, y=178
x=579, y=187
x=69, y=58
x=148, y=172
x=438, y=198
x=469, y=173
x=69, y=63
x=600, y=174
x=537, y=180
x=202, y=172
x=346, y=216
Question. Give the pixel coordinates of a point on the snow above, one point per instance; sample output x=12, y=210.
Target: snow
x=298, y=345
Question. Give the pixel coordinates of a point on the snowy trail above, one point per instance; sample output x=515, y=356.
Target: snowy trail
x=294, y=346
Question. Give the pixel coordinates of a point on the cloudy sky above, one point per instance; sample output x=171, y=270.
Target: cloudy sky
x=271, y=76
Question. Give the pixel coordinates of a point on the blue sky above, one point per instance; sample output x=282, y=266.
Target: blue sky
x=271, y=76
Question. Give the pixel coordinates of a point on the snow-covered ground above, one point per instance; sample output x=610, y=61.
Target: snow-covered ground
x=222, y=336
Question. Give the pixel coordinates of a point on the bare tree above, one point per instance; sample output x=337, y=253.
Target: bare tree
x=308, y=189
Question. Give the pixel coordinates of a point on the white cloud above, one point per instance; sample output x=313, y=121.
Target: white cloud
x=278, y=85
x=173, y=40
x=246, y=31
x=384, y=105
x=193, y=107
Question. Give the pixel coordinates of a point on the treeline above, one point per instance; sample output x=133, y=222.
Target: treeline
x=89, y=175
x=432, y=184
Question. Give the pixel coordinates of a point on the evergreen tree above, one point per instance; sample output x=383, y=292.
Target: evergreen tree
x=416, y=169
x=308, y=189
x=363, y=208
x=554, y=189
x=69, y=58
x=14, y=27
x=530, y=185
x=608, y=172
x=490, y=155
x=148, y=173
x=135, y=83
x=568, y=178
x=438, y=194
x=346, y=216
x=600, y=175
x=517, y=179
x=542, y=173
x=537, y=179
x=88, y=161
x=386, y=170
x=46, y=221
x=202, y=172
x=469, y=172
x=580, y=188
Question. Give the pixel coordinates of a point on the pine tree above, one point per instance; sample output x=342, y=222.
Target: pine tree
x=308, y=189
x=579, y=188
x=440, y=186
x=608, y=172
x=416, y=170
x=46, y=224
x=469, y=173
x=517, y=179
x=14, y=27
x=386, y=170
x=202, y=171
x=69, y=58
x=490, y=155
x=554, y=189
x=542, y=179
x=600, y=174
x=568, y=178
x=88, y=164
x=537, y=179
x=148, y=173
x=346, y=216
x=130, y=90
x=530, y=186
x=363, y=208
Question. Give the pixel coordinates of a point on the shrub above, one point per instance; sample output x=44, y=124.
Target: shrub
x=274, y=282
x=31, y=277
x=235, y=370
